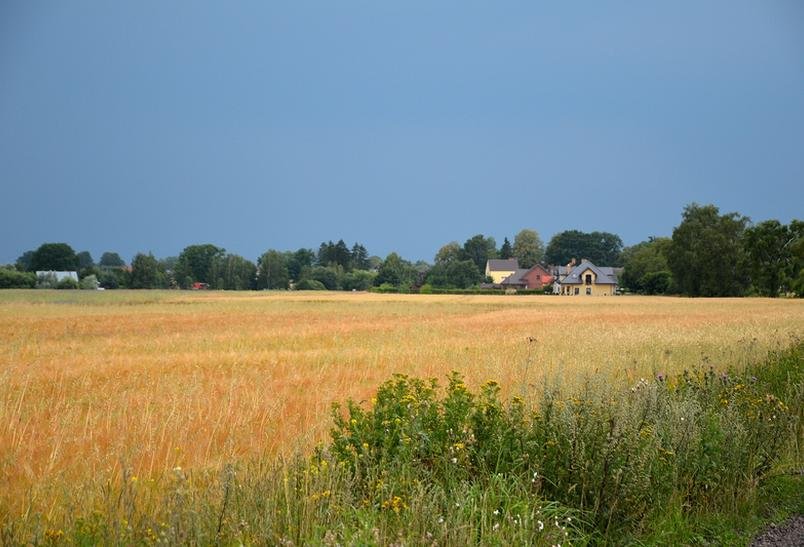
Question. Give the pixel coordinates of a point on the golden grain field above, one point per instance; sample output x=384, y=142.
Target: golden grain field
x=94, y=381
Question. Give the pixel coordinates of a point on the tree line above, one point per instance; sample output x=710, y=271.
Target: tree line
x=708, y=254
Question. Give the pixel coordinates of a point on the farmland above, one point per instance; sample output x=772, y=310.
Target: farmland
x=97, y=384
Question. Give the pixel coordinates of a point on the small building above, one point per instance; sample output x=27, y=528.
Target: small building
x=589, y=280
x=534, y=278
x=500, y=268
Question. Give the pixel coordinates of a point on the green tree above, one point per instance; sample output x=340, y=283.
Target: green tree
x=273, y=271
x=360, y=257
x=602, y=248
x=358, y=280
x=234, y=273
x=449, y=253
x=299, y=261
x=459, y=274
x=479, y=249
x=769, y=249
x=195, y=264
x=396, y=271
x=642, y=260
x=528, y=248
x=145, y=272
x=14, y=279
x=506, y=251
x=85, y=260
x=25, y=261
x=706, y=255
x=58, y=257
x=110, y=259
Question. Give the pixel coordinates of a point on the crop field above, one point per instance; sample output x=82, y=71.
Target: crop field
x=92, y=383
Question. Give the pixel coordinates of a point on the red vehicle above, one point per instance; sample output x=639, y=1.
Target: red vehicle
x=198, y=286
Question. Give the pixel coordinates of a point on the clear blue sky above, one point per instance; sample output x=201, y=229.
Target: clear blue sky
x=151, y=125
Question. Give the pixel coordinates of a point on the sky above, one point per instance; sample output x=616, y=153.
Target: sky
x=148, y=126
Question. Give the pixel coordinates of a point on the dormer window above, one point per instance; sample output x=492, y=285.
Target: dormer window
x=588, y=279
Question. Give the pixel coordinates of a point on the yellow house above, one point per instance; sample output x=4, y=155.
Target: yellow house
x=499, y=269
x=586, y=279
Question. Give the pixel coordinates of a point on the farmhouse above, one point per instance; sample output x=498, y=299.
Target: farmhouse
x=589, y=280
x=536, y=277
x=499, y=269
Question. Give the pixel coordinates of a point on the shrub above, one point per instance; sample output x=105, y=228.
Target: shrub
x=89, y=283
x=67, y=283
x=13, y=279
x=310, y=285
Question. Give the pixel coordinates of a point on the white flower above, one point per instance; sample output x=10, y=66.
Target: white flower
x=496, y=512
x=440, y=520
x=541, y=525
x=496, y=526
x=454, y=460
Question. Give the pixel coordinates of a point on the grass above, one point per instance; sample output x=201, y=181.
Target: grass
x=96, y=388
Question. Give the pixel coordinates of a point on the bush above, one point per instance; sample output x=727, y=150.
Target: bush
x=67, y=283
x=89, y=283
x=13, y=279
x=310, y=285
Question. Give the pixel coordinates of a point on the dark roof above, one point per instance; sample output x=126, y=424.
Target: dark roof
x=605, y=274
x=502, y=265
x=516, y=277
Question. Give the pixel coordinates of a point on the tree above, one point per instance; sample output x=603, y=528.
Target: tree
x=769, y=249
x=528, y=248
x=14, y=279
x=273, y=271
x=85, y=260
x=460, y=274
x=479, y=249
x=506, y=251
x=145, y=272
x=111, y=260
x=58, y=257
x=706, y=256
x=448, y=253
x=642, y=262
x=358, y=280
x=233, y=273
x=360, y=257
x=396, y=271
x=298, y=261
x=602, y=248
x=195, y=264
x=24, y=262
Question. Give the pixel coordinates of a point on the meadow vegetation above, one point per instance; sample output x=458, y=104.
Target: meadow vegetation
x=206, y=417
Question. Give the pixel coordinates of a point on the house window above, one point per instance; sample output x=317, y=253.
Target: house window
x=577, y=290
x=588, y=290
x=588, y=279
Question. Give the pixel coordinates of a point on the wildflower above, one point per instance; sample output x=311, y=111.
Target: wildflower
x=454, y=460
x=496, y=526
x=540, y=524
x=496, y=512
x=440, y=520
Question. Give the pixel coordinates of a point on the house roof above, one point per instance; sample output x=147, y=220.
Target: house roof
x=516, y=277
x=605, y=274
x=502, y=265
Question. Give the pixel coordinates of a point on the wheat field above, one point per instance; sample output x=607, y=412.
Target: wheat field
x=92, y=383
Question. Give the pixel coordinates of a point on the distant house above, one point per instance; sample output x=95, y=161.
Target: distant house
x=499, y=269
x=589, y=280
x=536, y=277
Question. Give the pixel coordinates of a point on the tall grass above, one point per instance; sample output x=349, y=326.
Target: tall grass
x=421, y=464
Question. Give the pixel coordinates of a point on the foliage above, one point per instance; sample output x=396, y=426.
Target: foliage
x=272, y=271
x=479, y=249
x=67, y=283
x=298, y=261
x=396, y=271
x=195, y=264
x=13, y=279
x=111, y=259
x=448, y=253
x=645, y=267
x=460, y=274
x=329, y=277
x=601, y=248
x=89, y=283
x=85, y=260
x=233, y=273
x=360, y=257
x=769, y=250
x=506, y=251
x=25, y=261
x=310, y=285
x=358, y=280
x=114, y=278
x=58, y=257
x=528, y=248
x=706, y=255
x=145, y=273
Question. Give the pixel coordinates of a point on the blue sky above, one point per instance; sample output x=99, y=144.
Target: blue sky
x=149, y=125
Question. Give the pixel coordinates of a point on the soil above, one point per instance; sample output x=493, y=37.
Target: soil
x=788, y=533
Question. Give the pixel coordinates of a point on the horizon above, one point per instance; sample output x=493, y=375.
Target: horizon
x=151, y=127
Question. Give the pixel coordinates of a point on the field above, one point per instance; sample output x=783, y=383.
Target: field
x=92, y=384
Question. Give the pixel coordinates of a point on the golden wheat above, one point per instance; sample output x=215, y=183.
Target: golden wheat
x=94, y=383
